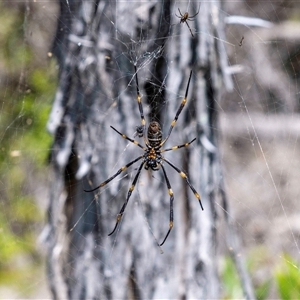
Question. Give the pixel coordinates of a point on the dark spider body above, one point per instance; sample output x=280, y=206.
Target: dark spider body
x=139, y=131
x=183, y=17
x=152, y=158
x=241, y=41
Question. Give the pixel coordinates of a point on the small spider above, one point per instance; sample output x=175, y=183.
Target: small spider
x=185, y=17
x=241, y=41
x=139, y=131
x=152, y=157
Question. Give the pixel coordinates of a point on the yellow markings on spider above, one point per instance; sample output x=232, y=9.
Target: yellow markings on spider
x=124, y=136
x=176, y=147
x=183, y=101
x=171, y=225
x=152, y=154
x=131, y=188
x=143, y=122
x=135, y=142
x=173, y=123
x=139, y=99
x=170, y=192
x=182, y=175
x=123, y=168
x=197, y=196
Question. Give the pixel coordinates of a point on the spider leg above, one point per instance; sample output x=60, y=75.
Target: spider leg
x=195, y=14
x=178, y=111
x=127, y=138
x=189, y=28
x=184, y=176
x=120, y=214
x=179, y=12
x=178, y=17
x=171, y=204
x=178, y=147
x=115, y=175
x=139, y=101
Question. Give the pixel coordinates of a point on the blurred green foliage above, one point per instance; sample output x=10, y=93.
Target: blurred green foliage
x=232, y=288
x=230, y=281
x=285, y=278
x=260, y=259
x=288, y=278
x=27, y=93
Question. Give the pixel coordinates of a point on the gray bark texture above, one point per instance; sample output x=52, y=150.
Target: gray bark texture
x=97, y=45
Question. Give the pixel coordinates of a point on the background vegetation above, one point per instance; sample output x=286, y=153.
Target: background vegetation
x=27, y=87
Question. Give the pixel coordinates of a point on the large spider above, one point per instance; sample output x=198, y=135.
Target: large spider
x=152, y=157
x=185, y=17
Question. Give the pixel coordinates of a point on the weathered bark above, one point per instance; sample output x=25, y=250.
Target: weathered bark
x=97, y=44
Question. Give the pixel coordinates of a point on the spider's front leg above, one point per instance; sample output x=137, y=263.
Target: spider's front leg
x=115, y=175
x=180, y=108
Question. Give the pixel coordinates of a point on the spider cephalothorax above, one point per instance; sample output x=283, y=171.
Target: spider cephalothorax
x=152, y=157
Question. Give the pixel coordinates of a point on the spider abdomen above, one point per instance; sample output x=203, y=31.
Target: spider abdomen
x=154, y=134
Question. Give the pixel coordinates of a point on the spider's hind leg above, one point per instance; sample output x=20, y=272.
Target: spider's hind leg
x=120, y=214
x=171, y=204
x=184, y=176
x=189, y=28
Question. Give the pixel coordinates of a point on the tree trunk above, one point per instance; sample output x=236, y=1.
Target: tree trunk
x=97, y=45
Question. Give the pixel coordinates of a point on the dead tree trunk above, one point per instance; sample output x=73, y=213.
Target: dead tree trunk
x=97, y=45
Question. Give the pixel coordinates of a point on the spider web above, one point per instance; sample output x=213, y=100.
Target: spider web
x=258, y=138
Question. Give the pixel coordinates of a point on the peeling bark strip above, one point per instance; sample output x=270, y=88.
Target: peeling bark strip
x=96, y=50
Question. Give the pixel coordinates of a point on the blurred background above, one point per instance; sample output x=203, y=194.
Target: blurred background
x=259, y=130
x=28, y=80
